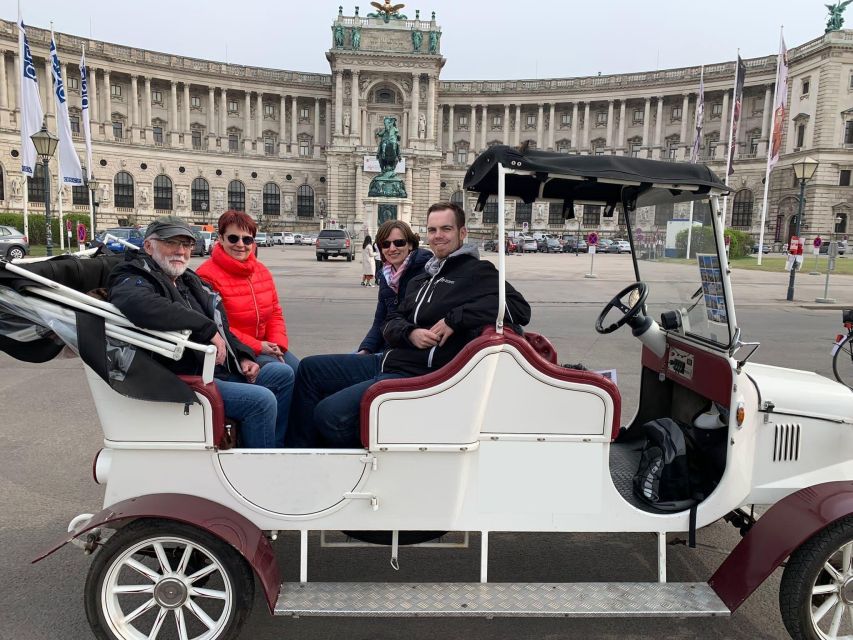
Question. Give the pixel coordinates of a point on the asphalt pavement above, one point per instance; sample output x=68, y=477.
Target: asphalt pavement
x=49, y=432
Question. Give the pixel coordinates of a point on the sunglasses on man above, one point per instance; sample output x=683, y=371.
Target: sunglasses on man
x=234, y=239
x=399, y=243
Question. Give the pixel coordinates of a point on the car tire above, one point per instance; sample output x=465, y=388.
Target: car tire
x=806, y=573
x=349, y=258
x=319, y=258
x=15, y=253
x=141, y=543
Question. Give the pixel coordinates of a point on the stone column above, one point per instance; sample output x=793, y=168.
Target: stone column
x=439, y=132
x=609, y=142
x=416, y=99
x=404, y=130
x=133, y=100
x=188, y=135
x=259, y=122
x=223, y=117
x=586, y=125
x=173, y=116
x=552, y=122
x=94, y=111
x=211, y=117
x=48, y=94
x=473, y=129
x=4, y=95
x=620, y=143
x=658, y=127
x=316, y=127
x=540, y=124
x=575, y=142
x=765, y=120
x=720, y=151
x=283, y=140
x=484, y=142
x=146, y=126
x=517, y=124
x=339, y=99
x=430, y=132
x=647, y=116
x=328, y=123
x=355, y=115
x=682, y=137
x=451, y=123
x=506, y=129
x=294, y=122
x=247, y=122
x=107, y=116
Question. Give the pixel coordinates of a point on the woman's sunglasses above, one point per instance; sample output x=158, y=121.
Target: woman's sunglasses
x=399, y=243
x=234, y=239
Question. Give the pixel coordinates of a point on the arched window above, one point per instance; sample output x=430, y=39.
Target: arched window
x=35, y=185
x=272, y=199
x=163, y=193
x=200, y=195
x=305, y=201
x=490, y=211
x=236, y=196
x=458, y=198
x=385, y=96
x=742, y=209
x=523, y=213
x=123, y=190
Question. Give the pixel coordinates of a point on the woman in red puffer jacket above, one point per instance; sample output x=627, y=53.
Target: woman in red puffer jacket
x=248, y=290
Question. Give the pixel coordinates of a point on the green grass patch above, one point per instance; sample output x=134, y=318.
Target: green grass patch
x=843, y=264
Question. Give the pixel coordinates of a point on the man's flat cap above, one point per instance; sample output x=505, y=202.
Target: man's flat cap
x=169, y=227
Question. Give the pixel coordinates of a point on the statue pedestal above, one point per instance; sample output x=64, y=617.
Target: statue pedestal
x=370, y=212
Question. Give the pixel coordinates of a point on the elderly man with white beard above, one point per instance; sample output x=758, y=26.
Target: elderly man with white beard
x=155, y=290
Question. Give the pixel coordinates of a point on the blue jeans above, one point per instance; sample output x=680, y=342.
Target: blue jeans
x=327, y=399
x=289, y=359
x=263, y=408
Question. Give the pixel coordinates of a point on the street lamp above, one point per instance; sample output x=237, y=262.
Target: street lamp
x=45, y=143
x=804, y=170
x=93, y=188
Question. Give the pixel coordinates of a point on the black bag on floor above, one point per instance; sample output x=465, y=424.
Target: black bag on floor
x=663, y=477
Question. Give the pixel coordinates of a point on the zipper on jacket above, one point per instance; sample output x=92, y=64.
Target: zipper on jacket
x=257, y=311
x=426, y=290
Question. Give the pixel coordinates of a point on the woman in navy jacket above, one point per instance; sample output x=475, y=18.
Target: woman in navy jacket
x=402, y=260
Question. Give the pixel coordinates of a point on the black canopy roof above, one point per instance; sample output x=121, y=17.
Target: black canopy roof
x=592, y=172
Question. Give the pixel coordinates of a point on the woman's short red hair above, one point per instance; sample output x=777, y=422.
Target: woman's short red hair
x=241, y=219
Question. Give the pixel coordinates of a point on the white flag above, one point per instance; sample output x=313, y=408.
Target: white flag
x=700, y=119
x=29, y=104
x=69, y=163
x=84, y=102
x=777, y=126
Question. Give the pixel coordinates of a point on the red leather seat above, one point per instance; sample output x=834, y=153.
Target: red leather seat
x=221, y=438
x=542, y=346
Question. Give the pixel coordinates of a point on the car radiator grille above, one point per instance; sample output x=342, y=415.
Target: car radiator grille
x=786, y=443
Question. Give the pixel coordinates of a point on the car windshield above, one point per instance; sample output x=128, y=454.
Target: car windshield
x=691, y=283
x=124, y=234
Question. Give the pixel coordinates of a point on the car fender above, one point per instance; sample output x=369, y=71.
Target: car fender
x=212, y=517
x=776, y=534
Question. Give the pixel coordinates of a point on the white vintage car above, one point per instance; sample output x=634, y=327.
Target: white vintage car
x=187, y=524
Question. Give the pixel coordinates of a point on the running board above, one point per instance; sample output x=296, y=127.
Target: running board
x=495, y=599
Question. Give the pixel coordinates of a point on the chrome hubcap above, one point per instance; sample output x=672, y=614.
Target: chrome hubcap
x=832, y=596
x=847, y=591
x=170, y=593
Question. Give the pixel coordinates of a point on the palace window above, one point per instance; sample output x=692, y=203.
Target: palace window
x=523, y=213
x=753, y=145
x=118, y=130
x=304, y=113
x=555, y=213
x=742, y=209
x=675, y=114
x=156, y=96
x=490, y=210
x=848, y=132
x=305, y=201
x=195, y=102
x=272, y=199
x=806, y=85
x=236, y=196
x=841, y=225
x=115, y=90
x=269, y=110
x=385, y=96
x=638, y=116
x=200, y=195
x=531, y=120
x=801, y=135
x=601, y=117
x=196, y=139
x=80, y=193
x=233, y=142
x=717, y=109
x=591, y=215
x=458, y=198
x=566, y=118
x=35, y=185
x=163, y=193
x=496, y=121
x=123, y=190
x=463, y=121
x=74, y=83
x=462, y=153
x=233, y=106
x=304, y=148
x=75, y=123
x=636, y=148
x=158, y=134
x=844, y=178
x=269, y=146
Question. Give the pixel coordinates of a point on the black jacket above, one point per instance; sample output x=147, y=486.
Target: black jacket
x=465, y=294
x=388, y=300
x=146, y=295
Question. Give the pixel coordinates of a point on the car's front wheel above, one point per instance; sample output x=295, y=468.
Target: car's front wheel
x=157, y=578
x=14, y=253
x=816, y=593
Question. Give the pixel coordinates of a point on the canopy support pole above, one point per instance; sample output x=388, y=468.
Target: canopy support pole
x=499, y=323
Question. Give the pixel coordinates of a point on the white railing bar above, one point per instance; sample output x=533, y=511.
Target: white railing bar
x=499, y=323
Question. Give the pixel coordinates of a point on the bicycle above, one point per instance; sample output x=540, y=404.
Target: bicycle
x=842, y=352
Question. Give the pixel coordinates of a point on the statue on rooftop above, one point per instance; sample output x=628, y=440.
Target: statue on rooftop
x=356, y=38
x=339, y=36
x=387, y=11
x=836, y=19
x=417, y=39
x=434, y=37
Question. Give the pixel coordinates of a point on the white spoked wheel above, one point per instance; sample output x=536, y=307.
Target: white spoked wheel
x=165, y=580
x=816, y=594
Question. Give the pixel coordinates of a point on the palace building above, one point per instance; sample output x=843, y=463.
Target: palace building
x=191, y=137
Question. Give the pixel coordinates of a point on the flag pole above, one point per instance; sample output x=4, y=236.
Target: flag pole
x=87, y=132
x=731, y=137
x=59, y=180
x=769, y=147
x=697, y=126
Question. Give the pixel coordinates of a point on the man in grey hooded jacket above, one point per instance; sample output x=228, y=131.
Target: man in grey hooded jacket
x=445, y=308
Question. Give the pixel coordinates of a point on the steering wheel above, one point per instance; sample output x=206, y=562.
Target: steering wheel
x=628, y=313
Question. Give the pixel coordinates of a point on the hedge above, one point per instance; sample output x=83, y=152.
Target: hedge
x=37, y=226
x=702, y=241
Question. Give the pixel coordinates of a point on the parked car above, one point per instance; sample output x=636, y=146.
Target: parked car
x=13, y=243
x=511, y=245
x=309, y=239
x=334, y=242
x=199, y=248
x=528, y=244
x=209, y=238
x=277, y=237
x=490, y=245
x=572, y=244
x=262, y=239
x=289, y=239
x=765, y=248
x=549, y=245
x=619, y=246
x=842, y=247
x=602, y=244
x=132, y=235
x=298, y=238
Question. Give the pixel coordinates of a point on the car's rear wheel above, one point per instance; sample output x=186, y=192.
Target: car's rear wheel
x=14, y=253
x=816, y=593
x=319, y=258
x=163, y=579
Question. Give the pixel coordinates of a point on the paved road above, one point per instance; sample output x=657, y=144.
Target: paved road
x=49, y=433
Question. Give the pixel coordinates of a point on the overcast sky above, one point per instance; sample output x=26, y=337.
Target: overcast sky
x=480, y=40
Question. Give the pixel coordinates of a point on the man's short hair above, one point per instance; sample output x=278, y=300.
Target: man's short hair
x=169, y=227
x=458, y=211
